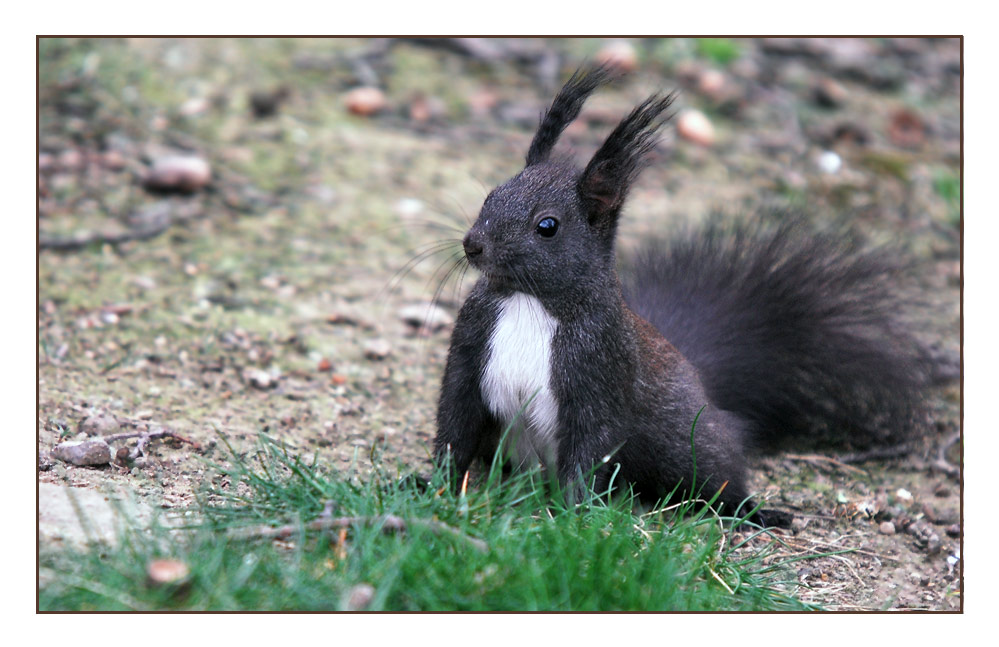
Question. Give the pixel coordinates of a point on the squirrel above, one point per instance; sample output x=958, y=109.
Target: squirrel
x=756, y=334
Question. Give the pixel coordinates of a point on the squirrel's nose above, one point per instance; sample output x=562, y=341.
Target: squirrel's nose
x=472, y=244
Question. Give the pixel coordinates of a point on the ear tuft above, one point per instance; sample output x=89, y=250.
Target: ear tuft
x=604, y=183
x=565, y=108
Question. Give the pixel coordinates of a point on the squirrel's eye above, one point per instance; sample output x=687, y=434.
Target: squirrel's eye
x=547, y=227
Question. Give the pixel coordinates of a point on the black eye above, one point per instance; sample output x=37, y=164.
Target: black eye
x=547, y=227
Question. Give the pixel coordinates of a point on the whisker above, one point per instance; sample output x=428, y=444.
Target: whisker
x=428, y=250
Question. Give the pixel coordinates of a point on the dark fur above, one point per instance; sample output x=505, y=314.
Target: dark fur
x=769, y=332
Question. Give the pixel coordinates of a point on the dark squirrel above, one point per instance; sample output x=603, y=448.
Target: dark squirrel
x=759, y=334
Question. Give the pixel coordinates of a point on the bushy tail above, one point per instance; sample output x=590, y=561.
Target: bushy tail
x=801, y=334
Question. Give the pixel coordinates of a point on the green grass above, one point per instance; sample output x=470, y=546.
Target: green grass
x=504, y=545
x=947, y=184
x=720, y=50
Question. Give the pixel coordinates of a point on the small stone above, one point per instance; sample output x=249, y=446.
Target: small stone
x=194, y=106
x=265, y=103
x=906, y=129
x=829, y=94
x=829, y=162
x=71, y=159
x=619, y=54
x=712, y=84
x=178, y=173
x=45, y=462
x=144, y=282
x=693, y=126
x=365, y=101
x=83, y=452
x=798, y=524
x=113, y=160
x=423, y=109
x=941, y=514
x=942, y=491
x=426, y=316
x=259, y=379
x=377, y=349
x=408, y=208
x=359, y=597
x=166, y=572
x=954, y=530
x=903, y=494
x=886, y=528
x=99, y=424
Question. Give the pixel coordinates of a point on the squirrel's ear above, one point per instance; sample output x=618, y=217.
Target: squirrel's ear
x=604, y=183
x=565, y=108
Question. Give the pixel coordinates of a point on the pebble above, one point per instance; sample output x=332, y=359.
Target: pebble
x=829, y=162
x=423, y=109
x=829, y=94
x=886, y=528
x=259, y=379
x=619, y=54
x=83, y=452
x=941, y=514
x=365, y=101
x=409, y=207
x=359, y=597
x=181, y=173
x=99, y=424
x=164, y=572
x=906, y=129
x=377, y=349
x=693, y=126
x=426, y=316
x=712, y=84
x=194, y=106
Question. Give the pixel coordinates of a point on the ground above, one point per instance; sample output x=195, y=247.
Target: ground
x=277, y=298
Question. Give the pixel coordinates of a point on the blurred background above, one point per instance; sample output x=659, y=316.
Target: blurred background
x=229, y=229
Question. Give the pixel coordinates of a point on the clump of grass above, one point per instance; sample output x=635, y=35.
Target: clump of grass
x=720, y=50
x=287, y=534
x=947, y=185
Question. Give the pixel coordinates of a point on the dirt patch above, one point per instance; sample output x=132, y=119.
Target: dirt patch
x=277, y=299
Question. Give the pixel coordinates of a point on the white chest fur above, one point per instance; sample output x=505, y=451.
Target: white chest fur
x=516, y=383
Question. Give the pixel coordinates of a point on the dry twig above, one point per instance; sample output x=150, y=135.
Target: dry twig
x=388, y=523
x=818, y=460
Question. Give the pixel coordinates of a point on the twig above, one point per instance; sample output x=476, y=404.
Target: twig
x=816, y=459
x=878, y=453
x=860, y=551
x=145, y=436
x=81, y=240
x=388, y=523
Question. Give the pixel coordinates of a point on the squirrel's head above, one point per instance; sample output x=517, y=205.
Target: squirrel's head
x=552, y=226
